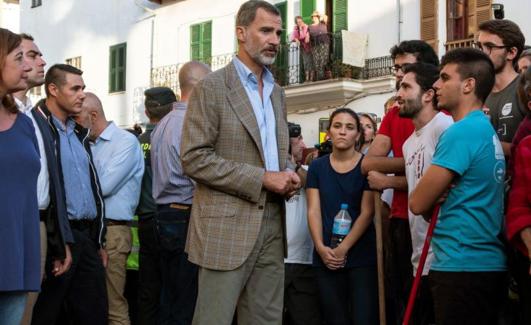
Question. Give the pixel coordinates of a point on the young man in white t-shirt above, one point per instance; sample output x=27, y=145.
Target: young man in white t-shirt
x=418, y=101
x=301, y=296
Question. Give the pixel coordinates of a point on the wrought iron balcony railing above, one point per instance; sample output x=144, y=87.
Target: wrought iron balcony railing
x=288, y=68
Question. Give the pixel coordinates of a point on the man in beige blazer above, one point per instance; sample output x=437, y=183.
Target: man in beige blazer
x=235, y=146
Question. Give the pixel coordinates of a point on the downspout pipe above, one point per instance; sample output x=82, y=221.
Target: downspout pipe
x=399, y=21
x=152, y=40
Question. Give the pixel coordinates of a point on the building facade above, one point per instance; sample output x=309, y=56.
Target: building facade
x=126, y=46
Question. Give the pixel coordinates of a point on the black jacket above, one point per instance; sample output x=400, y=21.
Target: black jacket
x=57, y=226
x=99, y=228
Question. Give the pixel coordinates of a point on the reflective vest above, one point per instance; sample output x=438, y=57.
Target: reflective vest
x=132, y=259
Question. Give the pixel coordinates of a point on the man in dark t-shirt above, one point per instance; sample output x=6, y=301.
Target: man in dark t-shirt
x=503, y=42
x=159, y=102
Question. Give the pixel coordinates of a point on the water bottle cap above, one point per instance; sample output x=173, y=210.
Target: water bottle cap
x=344, y=206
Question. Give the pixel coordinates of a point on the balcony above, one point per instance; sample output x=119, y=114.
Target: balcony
x=341, y=82
x=450, y=45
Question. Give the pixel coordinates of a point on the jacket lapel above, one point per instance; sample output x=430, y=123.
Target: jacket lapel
x=241, y=105
x=281, y=126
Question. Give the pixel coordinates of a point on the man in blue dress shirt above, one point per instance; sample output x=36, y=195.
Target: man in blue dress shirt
x=173, y=192
x=120, y=166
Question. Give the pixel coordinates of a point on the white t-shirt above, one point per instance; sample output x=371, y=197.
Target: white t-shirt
x=418, y=153
x=300, y=244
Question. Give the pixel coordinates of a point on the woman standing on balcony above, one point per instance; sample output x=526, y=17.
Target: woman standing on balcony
x=301, y=36
x=320, y=43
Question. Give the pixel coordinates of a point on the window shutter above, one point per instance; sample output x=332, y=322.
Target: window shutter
x=195, y=42
x=428, y=22
x=112, y=69
x=120, y=82
x=478, y=12
x=340, y=19
x=307, y=7
x=206, y=42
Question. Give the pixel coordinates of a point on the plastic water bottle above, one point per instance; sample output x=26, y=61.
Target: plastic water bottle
x=342, y=223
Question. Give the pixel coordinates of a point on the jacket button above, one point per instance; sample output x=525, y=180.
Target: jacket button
x=260, y=207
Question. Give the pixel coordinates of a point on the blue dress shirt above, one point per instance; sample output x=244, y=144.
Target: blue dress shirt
x=120, y=165
x=80, y=202
x=263, y=110
x=170, y=184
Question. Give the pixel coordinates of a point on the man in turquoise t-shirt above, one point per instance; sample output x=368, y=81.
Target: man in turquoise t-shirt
x=467, y=273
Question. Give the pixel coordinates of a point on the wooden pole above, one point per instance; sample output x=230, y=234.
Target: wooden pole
x=380, y=255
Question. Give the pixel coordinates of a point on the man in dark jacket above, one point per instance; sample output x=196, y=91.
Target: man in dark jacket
x=158, y=102
x=82, y=289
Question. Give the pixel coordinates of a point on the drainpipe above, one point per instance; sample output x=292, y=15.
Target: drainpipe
x=152, y=40
x=399, y=20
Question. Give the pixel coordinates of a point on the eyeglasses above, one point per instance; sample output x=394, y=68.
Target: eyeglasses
x=397, y=67
x=487, y=47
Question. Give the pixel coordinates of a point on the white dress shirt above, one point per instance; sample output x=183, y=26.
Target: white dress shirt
x=43, y=181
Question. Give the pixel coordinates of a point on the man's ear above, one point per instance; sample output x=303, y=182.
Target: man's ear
x=241, y=33
x=428, y=95
x=511, y=53
x=93, y=116
x=469, y=85
x=53, y=89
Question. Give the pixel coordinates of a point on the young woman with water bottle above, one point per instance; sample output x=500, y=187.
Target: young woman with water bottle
x=345, y=252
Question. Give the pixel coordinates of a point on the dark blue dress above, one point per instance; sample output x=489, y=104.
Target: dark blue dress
x=19, y=212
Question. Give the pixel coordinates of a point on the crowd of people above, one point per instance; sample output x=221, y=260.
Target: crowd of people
x=236, y=217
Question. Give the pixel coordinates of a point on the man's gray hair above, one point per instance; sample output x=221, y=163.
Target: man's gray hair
x=247, y=12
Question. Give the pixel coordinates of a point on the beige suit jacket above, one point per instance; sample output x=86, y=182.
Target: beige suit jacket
x=221, y=150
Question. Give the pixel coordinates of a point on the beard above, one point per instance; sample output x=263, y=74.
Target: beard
x=410, y=108
x=499, y=65
x=257, y=54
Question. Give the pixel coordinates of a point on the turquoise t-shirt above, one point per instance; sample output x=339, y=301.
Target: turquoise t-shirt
x=466, y=237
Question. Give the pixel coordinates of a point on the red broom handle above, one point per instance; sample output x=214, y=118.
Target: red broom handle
x=422, y=261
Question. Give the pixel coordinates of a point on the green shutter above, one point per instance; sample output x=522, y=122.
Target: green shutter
x=117, y=67
x=282, y=7
x=340, y=20
x=206, y=42
x=307, y=7
x=201, y=42
x=195, y=42
x=112, y=69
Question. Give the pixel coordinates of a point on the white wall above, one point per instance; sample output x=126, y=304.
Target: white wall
x=519, y=11
x=66, y=29
x=9, y=16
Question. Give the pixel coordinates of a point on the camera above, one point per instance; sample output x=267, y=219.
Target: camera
x=497, y=9
x=294, y=130
x=324, y=148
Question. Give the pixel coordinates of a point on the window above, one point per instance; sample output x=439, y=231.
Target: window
x=117, y=60
x=464, y=17
x=75, y=62
x=36, y=3
x=201, y=42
